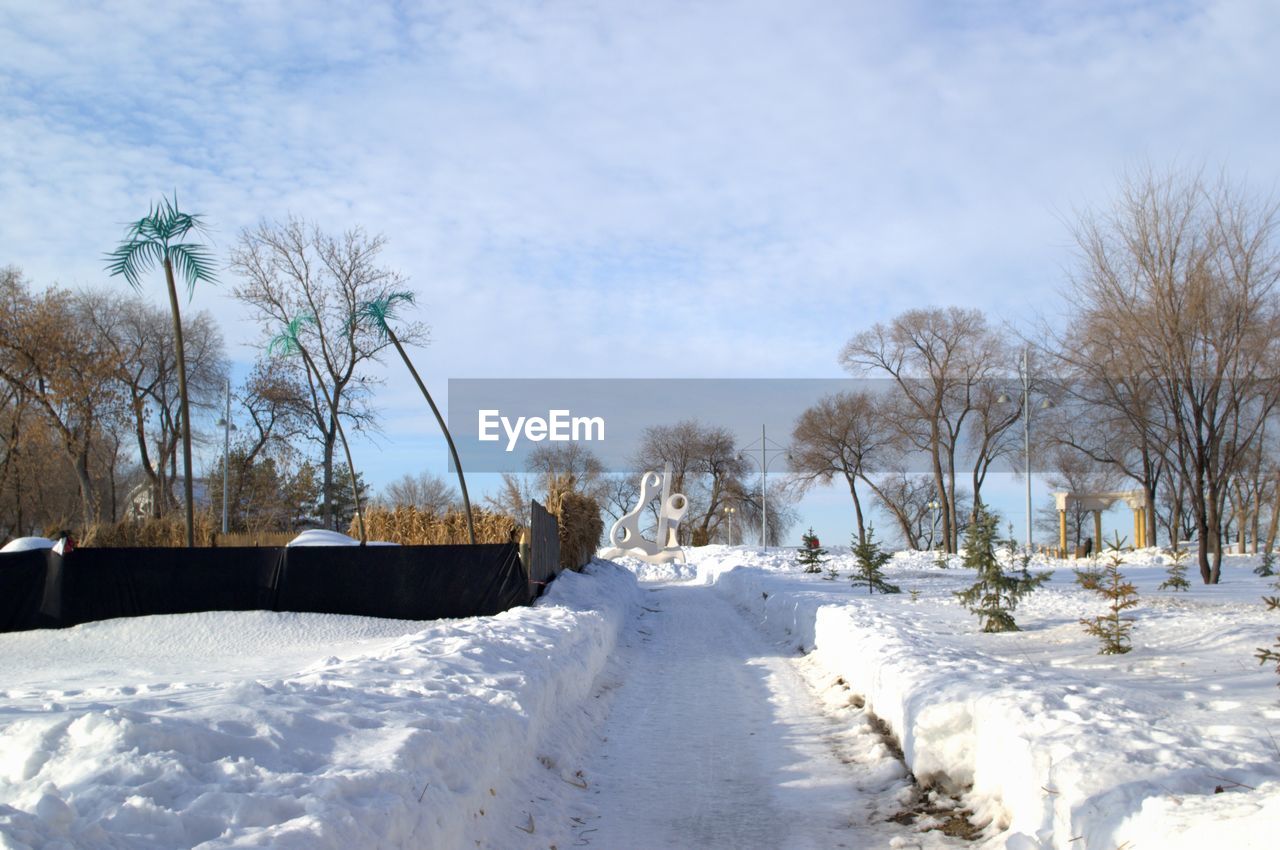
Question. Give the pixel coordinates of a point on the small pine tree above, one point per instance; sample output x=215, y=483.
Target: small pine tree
x=1112, y=628
x=870, y=561
x=810, y=553
x=1177, y=579
x=832, y=572
x=1263, y=654
x=995, y=595
x=1090, y=576
x=1267, y=567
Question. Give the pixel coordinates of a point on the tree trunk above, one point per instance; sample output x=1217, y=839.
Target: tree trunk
x=346, y=449
x=944, y=501
x=188, y=486
x=330, y=443
x=1275, y=517
x=453, y=450
x=857, y=507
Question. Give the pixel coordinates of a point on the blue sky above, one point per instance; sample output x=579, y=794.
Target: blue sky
x=754, y=182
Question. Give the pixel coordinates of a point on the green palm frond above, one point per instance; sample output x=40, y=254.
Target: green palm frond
x=193, y=263
x=153, y=239
x=134, y=257
x=288, y=342
x=380, y=311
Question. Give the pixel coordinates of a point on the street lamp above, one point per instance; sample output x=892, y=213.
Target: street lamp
x=227, y=427
x=767, y=446
x=933, y=523
x=729, y=512
x=1025, y=373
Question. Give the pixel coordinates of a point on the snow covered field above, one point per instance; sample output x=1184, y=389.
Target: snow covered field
x=296, y=730
x=1174, y=745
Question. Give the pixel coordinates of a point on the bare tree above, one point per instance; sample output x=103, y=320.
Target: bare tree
x=619, y=491
x=50, y=356
x=705, y=466
x=566, y=467
x=938, y=358
x=292, y=269
x=425, y=491
x=140, y=338
x=843, y=435
x=1183, y=274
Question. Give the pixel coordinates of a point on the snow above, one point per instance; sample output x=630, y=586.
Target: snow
x=26, y=544
x=1050, y=741
x=324, y=537
x=714, y=739
x=237, y=729
x=719, y=705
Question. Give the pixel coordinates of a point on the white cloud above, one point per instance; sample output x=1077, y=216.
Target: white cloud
x=758, y=179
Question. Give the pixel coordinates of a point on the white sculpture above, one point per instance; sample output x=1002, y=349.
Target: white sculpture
x=625, y=534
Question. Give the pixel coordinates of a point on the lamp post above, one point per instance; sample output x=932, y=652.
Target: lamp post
x=767, y=447
x=729, y=512
x=933, y=523
x=1024, y=373
x=227, y=428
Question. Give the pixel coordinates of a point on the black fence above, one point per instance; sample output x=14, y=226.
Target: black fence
x=543, y=556
x=42, y=589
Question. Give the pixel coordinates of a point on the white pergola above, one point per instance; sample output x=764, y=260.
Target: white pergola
x=1136, y=500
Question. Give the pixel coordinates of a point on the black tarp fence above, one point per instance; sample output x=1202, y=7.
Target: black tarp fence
x=41, y=589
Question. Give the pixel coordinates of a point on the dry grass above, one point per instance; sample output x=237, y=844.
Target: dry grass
x=580, y=528
x=169, y=531
x=409, y=526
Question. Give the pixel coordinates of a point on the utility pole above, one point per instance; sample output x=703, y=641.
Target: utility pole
x=767, y=446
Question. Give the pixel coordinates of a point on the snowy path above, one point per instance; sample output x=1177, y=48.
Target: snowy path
x=715, y=740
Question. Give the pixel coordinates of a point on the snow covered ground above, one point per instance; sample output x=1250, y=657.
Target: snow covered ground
x=1174, y=745
x=719, y=705
x=297, y=730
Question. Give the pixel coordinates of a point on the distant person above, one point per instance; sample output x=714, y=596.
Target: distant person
x=1088, y=547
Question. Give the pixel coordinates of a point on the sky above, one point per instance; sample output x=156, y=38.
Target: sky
x=615, y=189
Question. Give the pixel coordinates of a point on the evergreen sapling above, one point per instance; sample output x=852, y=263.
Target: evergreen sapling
x=995, y=595
x=1266, y=568
x=1090, y=576
x=810, y=553
x=1112, y=628
x=869, y=563
x=1264, y=655
x=1177, y=579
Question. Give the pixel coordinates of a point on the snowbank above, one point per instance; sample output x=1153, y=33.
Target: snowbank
x=295, y=731
x=324, y=537
x=27, y=544
x=1059, y=747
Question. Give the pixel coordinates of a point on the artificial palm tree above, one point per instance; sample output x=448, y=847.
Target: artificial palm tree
x=379, y=312
x=288, y=342
x=157, y=238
